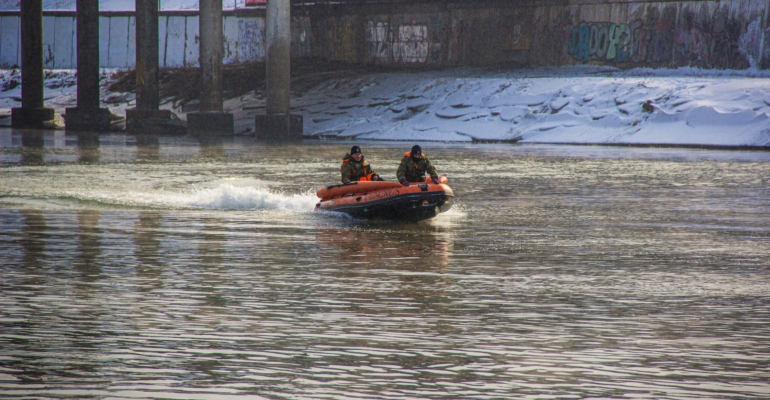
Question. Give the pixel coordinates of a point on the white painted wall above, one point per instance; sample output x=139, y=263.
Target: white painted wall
x=10, y=42
x=178, y=41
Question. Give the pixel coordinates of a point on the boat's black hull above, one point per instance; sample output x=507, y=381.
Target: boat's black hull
x=405, y=207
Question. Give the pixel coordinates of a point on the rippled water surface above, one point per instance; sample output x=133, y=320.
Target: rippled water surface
x=168, y=268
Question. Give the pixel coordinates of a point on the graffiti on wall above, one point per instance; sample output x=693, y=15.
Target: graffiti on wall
x=251, y=44
x=412, y=44
x=728, y=44
x=728, y=37
x=378, y=38
x=407, y=43
x=621, y=43
x=300, y=36
x=345, y=41
x=517, y=35
x=435, y=38
x=694, y=44
x=459, y=43
x=705, y=34
x=601, y=41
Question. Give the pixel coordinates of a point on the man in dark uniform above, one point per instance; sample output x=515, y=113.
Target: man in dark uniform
x=356, y=168
x=414, y=166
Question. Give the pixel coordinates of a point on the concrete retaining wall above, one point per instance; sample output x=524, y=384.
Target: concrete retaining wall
x=624, y=33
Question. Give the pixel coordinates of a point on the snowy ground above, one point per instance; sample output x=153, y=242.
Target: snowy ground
x=596, y=105
x=566, y=105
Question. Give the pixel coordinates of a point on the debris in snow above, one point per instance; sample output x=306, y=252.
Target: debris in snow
x=648, y=107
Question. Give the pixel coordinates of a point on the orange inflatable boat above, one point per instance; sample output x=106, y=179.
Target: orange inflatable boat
x=387, y=200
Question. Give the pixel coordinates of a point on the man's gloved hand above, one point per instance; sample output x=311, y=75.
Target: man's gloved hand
x=436, y=181
x=376, y=177
x=406, y=183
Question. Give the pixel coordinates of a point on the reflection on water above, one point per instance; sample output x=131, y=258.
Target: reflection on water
x=32, y=145
x=88, y=245
x=32, y=242
x=138, y=267
x=148, y=148
x=88, y=148
x=148, y=247
x=212, y=148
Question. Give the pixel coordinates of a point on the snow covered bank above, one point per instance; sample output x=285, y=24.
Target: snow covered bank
x=581, y=105
x=554, y=105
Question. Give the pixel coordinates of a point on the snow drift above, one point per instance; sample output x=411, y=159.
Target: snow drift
x=556, y=105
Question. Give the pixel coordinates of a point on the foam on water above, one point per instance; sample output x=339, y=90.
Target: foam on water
x=458, y=210
x=222, y=197
x=229, y=197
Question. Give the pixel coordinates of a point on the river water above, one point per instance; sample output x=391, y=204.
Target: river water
x=134, y=267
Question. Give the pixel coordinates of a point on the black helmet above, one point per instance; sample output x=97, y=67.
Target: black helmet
x=354, y=150
x=416, y=149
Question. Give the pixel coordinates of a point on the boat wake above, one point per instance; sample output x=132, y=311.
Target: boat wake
x=222, y=197
x=229, y=197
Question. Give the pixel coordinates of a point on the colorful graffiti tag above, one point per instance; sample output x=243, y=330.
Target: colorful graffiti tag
x=603, y=41
x=725, y=46
x=620, y=43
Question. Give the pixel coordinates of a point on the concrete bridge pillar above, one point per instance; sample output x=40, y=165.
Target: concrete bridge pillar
x=210, y=120
x=31, y=114
x=278, y=123
x=147, y=118
x=87, y=116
